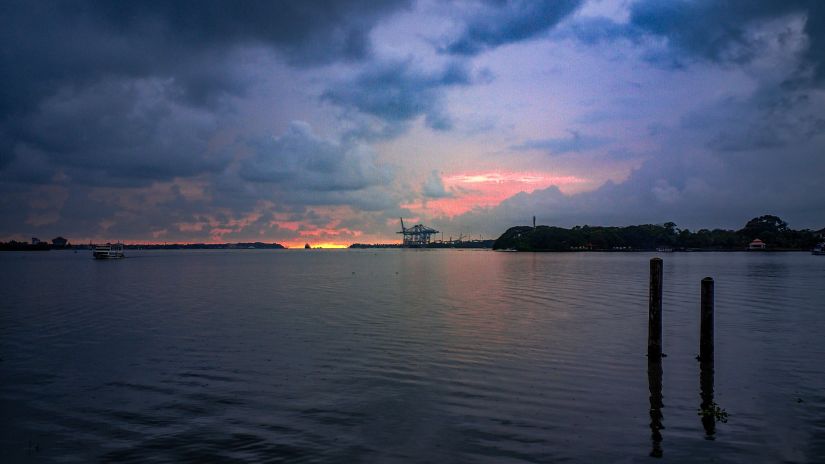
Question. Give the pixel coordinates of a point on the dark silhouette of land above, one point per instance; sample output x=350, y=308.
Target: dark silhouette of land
x=36, y=244
x=44, y=246
x=771, y=230
x=206, y=246
x=24, y=246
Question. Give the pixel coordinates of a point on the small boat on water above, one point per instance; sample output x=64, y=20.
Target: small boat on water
x=108, y=251
x=819, y=249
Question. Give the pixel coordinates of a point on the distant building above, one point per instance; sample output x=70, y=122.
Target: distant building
x=35, y=241
x=756, y=245
x=59, y=242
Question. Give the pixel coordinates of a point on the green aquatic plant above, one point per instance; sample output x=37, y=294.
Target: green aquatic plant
x=714, y=411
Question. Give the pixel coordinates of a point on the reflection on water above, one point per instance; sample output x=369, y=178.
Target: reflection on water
x=405, y=356
x=707, y=407
x=654, y=380
x=709, y=411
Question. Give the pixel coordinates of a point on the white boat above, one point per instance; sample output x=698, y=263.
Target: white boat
x=108, y=251
x=819, y=249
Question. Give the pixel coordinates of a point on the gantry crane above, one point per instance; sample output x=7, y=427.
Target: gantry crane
x=416, y=236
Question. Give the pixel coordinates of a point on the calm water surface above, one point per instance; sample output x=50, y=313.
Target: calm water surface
x=404, y=356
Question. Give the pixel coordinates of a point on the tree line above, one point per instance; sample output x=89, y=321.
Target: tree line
x=770, y=229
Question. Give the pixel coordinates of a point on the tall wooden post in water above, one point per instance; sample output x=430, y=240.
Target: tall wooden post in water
x=654, y=328
x=706, y=322
x=654, y=356
x=708, y=409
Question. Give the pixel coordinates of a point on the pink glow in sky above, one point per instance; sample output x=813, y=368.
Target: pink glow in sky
x=471, y=190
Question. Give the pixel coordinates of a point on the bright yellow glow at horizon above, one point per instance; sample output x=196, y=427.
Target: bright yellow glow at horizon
x=314, y=245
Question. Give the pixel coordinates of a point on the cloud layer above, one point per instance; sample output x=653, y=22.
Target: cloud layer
x=326, y=120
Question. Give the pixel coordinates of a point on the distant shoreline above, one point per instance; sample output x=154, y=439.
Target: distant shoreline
x=483, y=244
x=22, y=246
x=761, y=234
x=399, y=247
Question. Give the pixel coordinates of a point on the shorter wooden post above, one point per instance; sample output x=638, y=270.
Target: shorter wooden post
x=706, y=322
x=654, y=328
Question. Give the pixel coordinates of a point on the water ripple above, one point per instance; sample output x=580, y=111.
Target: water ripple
x=402, y=356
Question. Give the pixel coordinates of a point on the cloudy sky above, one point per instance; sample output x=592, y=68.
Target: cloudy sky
x=324, y=121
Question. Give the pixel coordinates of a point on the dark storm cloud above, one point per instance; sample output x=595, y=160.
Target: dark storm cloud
x=299, y=168
x=70, y=70
x=109, y=113
x=308, y=31
x=769, y=118
x=718, y=31
x=48, y=44
x=301, y=161
x=498, y=23
x=116, y=132
x=398, y=92
x=6, y=146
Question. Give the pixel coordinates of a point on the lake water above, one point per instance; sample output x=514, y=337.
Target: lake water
x=438, y=356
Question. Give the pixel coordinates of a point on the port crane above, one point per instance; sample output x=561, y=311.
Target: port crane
x=416, y=236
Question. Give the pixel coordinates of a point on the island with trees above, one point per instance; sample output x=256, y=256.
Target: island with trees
x=771, y=230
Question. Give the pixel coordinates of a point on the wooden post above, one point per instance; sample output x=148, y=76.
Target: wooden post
x=654, y=356
x=654, y=328
x=706, y=324
x=708, y=408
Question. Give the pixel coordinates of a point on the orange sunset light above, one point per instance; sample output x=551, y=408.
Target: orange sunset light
x=314, y=245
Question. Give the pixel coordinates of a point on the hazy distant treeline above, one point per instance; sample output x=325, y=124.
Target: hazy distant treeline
x=43, y=246
x=770, y=229
x=24, y=246
x=206, y=246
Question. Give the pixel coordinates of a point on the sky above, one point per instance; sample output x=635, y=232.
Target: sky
x=326, y=121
